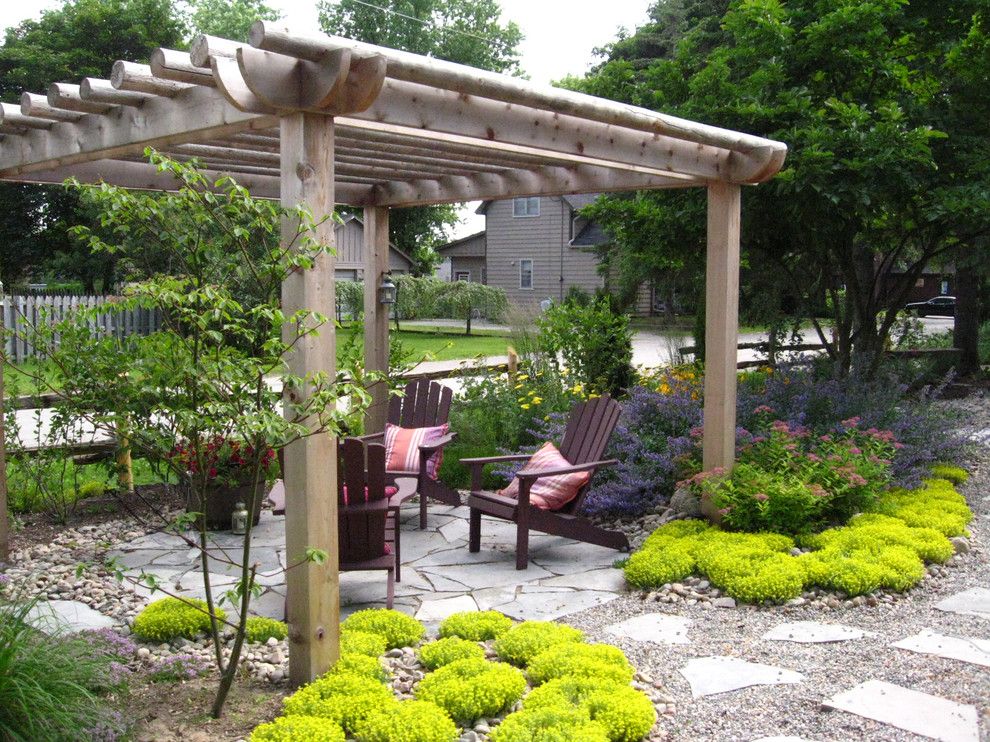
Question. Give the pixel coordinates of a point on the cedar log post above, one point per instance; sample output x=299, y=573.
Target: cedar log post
x=721, y=328
x=4, y=518
x=375, y=314
x=310, y=475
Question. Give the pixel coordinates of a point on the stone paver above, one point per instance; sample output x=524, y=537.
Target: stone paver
x=709, y=676
x=910, y=710
x=964, y=649
x=66, y=616
x=972, y=602
x=440, y=575
x=812, y=632
x=659, y=628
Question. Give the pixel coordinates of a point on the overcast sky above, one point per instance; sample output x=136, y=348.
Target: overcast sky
x=560, y=35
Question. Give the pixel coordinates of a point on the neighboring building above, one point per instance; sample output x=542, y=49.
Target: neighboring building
x=535, y=248
x=350, y=252
x=464, y=259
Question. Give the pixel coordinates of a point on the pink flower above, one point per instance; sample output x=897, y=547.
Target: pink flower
x=761, y=496
x=763, y=410
x=814, y=457
x=855, y=451
x=817, y=490
x=856, y=480
x=213, y=473
x=725, y=511
x=826, y=438
x=852, y=422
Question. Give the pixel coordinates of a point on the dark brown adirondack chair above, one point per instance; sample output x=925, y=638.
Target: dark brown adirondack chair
x=588, y=429
x=423, y=404
x=367, y=529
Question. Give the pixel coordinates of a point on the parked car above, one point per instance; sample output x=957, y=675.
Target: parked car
x=940, y=306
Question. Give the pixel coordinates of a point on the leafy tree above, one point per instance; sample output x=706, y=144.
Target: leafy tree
x=79, y=39
x=464, y=31
x=461, y=299
x=880, y=103
x=229, y=19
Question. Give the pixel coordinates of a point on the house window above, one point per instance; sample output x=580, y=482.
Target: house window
x=525, y=274
x=462, y=275
x=945, y=287
x=526, y=206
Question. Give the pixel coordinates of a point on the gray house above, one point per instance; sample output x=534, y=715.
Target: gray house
x=535, y=248
x=350, y=252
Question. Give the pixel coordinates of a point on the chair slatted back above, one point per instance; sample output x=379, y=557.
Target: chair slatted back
x=589, y=427
x=424, y=404
x=360, y=529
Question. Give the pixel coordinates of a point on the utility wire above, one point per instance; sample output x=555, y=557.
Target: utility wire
x=423, y=22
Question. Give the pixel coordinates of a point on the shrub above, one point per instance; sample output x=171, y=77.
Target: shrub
x=520, y=644
x=259, y=629
x=407, y=721
x=755, y=575
x=476, y=626
x=398, y=629
x=293, y=728
x=936, y=504
x=954, y=474
x=360, y=664
x=626, y=713
x=49, y=685
x=552, y=724
x=170, y=618
x=602, y=661
x=444, y=651
x=470, y=689
x=362, y=642
x=344, y=698
x=594, y=341
x=654, y=567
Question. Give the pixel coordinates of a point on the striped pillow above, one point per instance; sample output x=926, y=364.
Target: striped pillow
x=549, y=493
x=402, y=448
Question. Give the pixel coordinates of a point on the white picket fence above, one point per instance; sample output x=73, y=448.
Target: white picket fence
x=21, y=314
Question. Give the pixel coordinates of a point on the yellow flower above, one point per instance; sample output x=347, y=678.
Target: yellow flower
x=522, y=377
x=537, y=400
x=594, y=396
x=664, y=389
x=518, y=386
x=524, y=406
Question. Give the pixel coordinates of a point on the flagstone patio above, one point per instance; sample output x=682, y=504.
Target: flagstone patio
x=439, y=576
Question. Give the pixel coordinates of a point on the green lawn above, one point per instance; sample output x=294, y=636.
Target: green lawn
x=443, y=344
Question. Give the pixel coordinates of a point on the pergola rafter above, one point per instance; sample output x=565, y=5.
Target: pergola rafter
x=318, y=121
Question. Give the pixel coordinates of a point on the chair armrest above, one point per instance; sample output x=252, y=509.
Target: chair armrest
x=368, y=437
x=537, y=474
x=496, y=459
x=436, y=445
x=365, y=507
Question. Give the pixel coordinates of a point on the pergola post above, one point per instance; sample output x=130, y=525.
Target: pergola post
x=721, y=324
x=375, y=314
x=310, y=476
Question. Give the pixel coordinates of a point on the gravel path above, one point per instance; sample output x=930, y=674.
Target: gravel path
x=796, y=710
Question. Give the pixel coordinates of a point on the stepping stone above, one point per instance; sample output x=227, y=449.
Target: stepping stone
x=974, y=651
x=456, y=530
x=609, y=579
x=547, y=606
x=494, y=574
x=659, y=628
x=709, y=676
x=433, y=611
x=61, y=616
x=972, y=602
x=910, y=710
x=812, y=632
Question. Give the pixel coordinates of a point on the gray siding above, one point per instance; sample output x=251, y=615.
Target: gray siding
x=475, y=265
x=350, y=250
x=542, y=239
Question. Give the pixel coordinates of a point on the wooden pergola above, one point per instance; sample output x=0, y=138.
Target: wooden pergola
x=318, y=121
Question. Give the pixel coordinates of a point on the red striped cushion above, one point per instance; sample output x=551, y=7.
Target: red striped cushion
x=402, y=448
x=549, y=493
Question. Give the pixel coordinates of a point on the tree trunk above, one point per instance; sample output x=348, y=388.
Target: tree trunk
x=966, y=333
x=468, y=321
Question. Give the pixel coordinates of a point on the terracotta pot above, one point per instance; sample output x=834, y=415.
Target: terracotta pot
x=220, y=503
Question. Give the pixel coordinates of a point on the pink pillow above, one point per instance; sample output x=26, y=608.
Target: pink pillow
x=402, y=448
x=549, y=493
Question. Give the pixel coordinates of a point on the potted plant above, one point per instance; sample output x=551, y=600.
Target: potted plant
x=229, y=471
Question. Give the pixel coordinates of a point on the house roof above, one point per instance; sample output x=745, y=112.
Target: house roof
x=591, y=235
x=574, y=200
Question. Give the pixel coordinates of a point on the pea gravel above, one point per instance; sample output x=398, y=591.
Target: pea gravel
x=797, y=710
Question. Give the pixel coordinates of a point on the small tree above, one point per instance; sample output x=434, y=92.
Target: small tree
x=461, y=299
x=204, y=381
